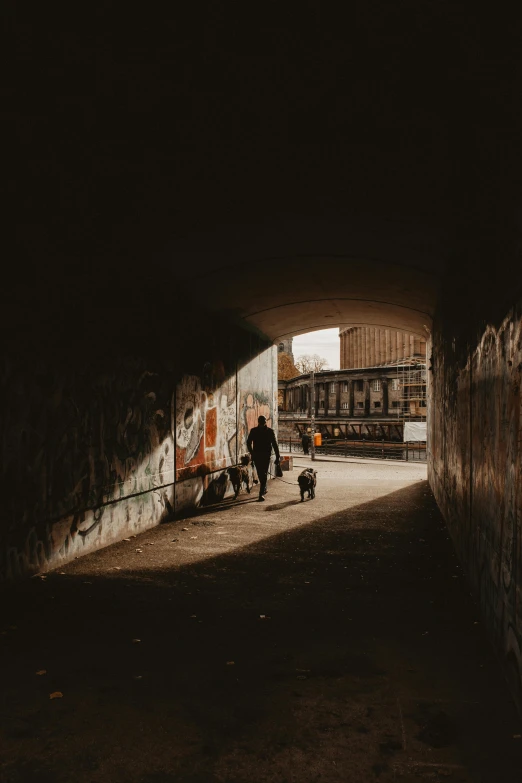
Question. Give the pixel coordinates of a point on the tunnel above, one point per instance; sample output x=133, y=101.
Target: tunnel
x=186, y=190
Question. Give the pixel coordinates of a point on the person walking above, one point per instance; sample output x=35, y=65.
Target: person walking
x=305, y=442
x=260, y=442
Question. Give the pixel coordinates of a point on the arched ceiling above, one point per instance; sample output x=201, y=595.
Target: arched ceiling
x=389, y=277
x=292, y=170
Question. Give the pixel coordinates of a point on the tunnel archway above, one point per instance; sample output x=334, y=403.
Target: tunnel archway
x=179, y=203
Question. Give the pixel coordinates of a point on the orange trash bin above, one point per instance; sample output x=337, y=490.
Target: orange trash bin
x=318, y=439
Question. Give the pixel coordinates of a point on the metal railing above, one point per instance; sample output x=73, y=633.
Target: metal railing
x=367, y=449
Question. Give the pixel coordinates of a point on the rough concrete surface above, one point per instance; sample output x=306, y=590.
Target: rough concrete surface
x=332, y=640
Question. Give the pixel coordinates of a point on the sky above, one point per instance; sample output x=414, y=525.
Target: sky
x=324, y=343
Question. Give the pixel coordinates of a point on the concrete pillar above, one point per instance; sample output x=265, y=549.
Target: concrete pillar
x=371, y=355
x=387, y=351
x=412, y=345
x=384, y=386
x=417, y=346
x=317, y=385
x=351, y=403
x=393, y=346
x=357, y=341
x=398, y=341
x=366, y=347
x=338, y=398
x=366, y=397
x=349, y=363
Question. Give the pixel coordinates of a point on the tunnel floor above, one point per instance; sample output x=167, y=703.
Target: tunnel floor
x=330, y=640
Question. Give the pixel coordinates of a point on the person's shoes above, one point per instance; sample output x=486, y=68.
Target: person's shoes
x=261, y=498
x=264, y=491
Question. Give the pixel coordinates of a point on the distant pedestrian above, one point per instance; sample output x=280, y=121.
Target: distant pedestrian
x=260, y=442
x=305, y=442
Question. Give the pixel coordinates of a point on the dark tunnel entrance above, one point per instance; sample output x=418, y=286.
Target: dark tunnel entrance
x=184, y=194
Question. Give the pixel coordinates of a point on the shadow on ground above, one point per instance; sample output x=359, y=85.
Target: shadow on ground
x=347, y=649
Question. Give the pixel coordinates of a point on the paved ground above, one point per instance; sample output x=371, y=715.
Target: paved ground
x=330, y=641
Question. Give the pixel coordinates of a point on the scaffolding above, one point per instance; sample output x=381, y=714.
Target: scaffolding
x=411, y=385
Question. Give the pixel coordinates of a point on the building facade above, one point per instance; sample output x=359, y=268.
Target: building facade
x=395, y=392
x=368, y=346
x=285, y=346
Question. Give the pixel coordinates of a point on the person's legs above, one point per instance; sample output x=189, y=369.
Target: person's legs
x=262, y=462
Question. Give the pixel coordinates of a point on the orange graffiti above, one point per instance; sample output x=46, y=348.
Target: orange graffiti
x=253, y=409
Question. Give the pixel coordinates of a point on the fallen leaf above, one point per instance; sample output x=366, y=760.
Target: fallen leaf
x=56, y=695
x=184, y=528
x=138, y=676
x=136, y=641
x=174, y=540
x=193, y=615
x=231, y=663
x=192, y=538
x=126, y=539
x=139, y=550
x=41, y=671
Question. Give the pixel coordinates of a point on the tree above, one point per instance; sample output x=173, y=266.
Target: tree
x=285, y=369
x=313, y=363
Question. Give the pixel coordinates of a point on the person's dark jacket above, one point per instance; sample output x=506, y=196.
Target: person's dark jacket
x=262, y=440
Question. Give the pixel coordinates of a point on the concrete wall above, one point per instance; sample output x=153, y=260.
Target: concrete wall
x=475, y=464
x=106, y=433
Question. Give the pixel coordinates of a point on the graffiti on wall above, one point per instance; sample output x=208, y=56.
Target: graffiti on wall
x=92, y=454
x=214, y=415
x=87, y=457
x=476, y=473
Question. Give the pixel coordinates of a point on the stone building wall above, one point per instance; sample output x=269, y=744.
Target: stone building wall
x=376, y=391
x=369, y=346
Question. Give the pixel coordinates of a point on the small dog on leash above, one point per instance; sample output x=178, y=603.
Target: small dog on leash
x=240, y=475
x=307, y=481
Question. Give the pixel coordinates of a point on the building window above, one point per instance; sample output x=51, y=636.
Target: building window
x=345, y=386
x=376, y=404
x=321, y=403
x=360, y=404
x=422, y=403
x=359, y=385
x=332, y=388
x=345, y=405
x=376, y=384
x=281, y=347
x=395, y=384
x=395, y=404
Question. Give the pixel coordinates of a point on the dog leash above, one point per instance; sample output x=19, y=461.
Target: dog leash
x=277, y=478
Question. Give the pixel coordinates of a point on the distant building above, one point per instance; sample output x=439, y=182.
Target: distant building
x=394, y=391
x=285, y=346
x=369, y=346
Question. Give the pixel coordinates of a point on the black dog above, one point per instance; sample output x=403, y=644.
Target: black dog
x=307, y=480
x=240, y=474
